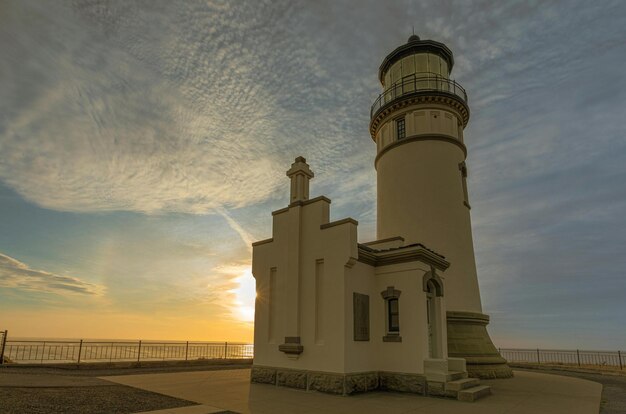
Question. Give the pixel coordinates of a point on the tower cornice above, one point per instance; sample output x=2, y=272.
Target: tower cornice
x=419, y=97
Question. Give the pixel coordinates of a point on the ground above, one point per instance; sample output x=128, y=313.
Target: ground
x=45, y=390
x=54, y=390
x=613, y=388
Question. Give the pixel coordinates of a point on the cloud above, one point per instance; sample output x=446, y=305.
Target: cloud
x=17, y=275
x=114, y=112
x=201, y=107
x=246, y=237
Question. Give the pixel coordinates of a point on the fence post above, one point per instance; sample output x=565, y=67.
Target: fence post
x=139, y=352
x=43, y=351
x=225, y=349
x=578, y=356
x=80, y=350
x=538, y=360
x=186, y=350
x=2, y=346
x=619, y=356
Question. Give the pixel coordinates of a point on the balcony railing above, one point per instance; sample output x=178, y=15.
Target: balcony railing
x=416, y=84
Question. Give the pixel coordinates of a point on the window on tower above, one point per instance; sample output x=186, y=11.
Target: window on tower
x=463, y=169
x=400, y=128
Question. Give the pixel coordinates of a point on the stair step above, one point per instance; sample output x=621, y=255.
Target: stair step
x=456, y=375
x=462, y=384
x=474, y=393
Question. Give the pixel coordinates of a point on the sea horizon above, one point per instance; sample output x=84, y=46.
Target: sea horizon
x=116, y=340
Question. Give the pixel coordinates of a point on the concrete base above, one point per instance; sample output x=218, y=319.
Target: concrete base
x=328, y=382
x=468, y=339
x=354, y=383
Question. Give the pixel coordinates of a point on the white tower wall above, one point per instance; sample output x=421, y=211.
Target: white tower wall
x=421, y=195
x=417, y=124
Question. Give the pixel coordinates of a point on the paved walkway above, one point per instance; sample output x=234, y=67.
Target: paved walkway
x=220, y=391
x=613, y=387
x=50, y=390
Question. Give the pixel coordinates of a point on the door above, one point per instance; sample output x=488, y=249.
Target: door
x=432, y=319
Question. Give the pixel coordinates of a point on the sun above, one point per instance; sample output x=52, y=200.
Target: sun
x=245, y=294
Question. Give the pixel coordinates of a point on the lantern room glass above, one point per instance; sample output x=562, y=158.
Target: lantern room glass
x=419, y=66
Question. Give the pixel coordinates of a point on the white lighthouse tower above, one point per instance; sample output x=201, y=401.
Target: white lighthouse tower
x=417, y=124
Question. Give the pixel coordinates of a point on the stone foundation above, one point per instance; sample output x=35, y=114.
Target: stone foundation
x=362, y=382
x=291, y=378
x=344, y=384
x=263, y=375
x=468, y=339
x=326, y=382
x=394, y=381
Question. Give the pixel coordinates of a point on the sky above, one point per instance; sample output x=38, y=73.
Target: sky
x=143, y=145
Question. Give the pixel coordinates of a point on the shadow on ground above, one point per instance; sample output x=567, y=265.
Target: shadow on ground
x=43, y=390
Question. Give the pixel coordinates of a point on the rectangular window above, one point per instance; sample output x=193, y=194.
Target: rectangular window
x=393, y=314
x=463, y=169
x=400, y=129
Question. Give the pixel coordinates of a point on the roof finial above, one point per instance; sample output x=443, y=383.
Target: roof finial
x=299, y=174
x=413, y=27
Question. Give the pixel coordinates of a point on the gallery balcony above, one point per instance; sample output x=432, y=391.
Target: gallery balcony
x=416, y=85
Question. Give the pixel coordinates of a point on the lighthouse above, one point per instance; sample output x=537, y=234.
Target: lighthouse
x=417, y=123
x=399, y=313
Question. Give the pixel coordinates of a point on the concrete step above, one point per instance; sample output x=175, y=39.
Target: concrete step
x=455, y=375
x=474, y=393
x=462, y=384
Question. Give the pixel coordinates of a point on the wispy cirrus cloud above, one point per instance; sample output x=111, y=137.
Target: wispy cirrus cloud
x=97, y=125
x=17, y=275
x=112, y=112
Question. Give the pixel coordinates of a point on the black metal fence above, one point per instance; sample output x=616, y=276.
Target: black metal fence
x=576, y=357
x=3, y=341
x=118, y=351
x=415, y=84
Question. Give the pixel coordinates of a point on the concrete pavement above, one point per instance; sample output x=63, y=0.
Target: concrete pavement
x=219, y=391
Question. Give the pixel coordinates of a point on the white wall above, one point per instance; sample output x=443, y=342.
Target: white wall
x=315, y=274
x=298, y=249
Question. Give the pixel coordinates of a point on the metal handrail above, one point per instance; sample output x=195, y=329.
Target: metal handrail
x=417, y=84
x=574, y=357
x=64, y=351
x=3, y=342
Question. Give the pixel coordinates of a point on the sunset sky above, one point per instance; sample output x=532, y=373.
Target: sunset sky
x=143, y=146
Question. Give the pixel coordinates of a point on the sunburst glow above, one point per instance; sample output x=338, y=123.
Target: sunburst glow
x=245, y=294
